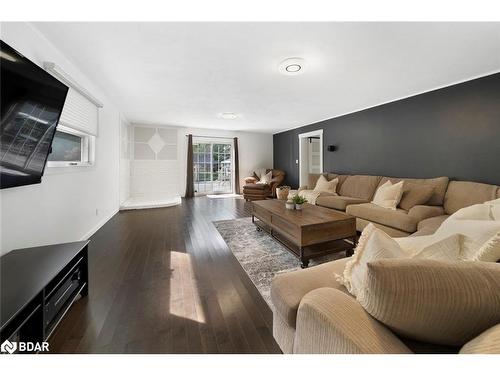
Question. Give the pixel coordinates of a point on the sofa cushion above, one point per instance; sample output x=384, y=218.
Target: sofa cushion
x=424, y=212
x=361, y=224
x=398, y=218
x=417, y=297
x=337, y=202
x=258, y=187
x=288, y=289
x=430, y=225
x=359, y=186
x=461, y=194
x=440, y=185
x=415, y=195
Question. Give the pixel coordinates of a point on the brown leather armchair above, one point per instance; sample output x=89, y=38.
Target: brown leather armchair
x=265, y=190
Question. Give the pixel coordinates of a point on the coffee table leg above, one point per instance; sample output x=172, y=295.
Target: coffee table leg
x=304, y=262
x=350, y=252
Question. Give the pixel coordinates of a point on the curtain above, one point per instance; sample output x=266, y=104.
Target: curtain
x=236, y=168
x=189, y=171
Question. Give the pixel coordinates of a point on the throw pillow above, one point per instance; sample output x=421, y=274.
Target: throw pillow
x=495, y=211
x=373, y=244
x=446, y=303
x=325, y=186
x=388, y=195
x=490, y=251
x=447, y=248
x=476, y=224
x=265, y=179
x=415, y=194
x=495, y=202
x=474, y=212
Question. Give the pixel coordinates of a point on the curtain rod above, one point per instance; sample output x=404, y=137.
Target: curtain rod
x=207, y=136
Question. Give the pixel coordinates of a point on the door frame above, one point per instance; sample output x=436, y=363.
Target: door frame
x=212, y=141
x=314, y=133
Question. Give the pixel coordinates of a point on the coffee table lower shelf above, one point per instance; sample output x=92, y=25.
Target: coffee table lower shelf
x=306, y=253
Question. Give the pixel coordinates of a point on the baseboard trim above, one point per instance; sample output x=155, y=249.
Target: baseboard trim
x=99, y=225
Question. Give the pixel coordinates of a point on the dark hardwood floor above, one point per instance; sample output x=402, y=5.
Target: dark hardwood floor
x=164, y=281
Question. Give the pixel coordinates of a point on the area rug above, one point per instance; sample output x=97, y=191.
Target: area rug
x=261, y=256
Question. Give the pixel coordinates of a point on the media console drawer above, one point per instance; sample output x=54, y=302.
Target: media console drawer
x=65, y=290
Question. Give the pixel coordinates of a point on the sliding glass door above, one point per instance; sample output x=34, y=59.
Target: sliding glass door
x=212, y=167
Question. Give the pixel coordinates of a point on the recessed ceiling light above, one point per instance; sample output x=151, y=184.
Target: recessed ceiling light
x=292, y=66
x=228, y=115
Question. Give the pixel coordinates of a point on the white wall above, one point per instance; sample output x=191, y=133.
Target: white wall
x=69, y=204
x=255, y=151
x=125, y=150
x=154, y=175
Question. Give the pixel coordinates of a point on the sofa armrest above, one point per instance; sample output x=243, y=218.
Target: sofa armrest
x=421, y=212
x=487, y=342
x=250, y=180
x=302, y=188
x=330, y=321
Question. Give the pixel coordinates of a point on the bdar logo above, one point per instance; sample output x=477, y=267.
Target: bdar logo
x=8, y=347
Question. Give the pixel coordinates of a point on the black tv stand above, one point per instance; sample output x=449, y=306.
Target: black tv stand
x=38, y=286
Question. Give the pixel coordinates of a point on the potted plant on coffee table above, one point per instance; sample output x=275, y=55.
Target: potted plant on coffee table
x=299, y=201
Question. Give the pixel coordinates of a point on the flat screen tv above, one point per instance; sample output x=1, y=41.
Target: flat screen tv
x=31, y=104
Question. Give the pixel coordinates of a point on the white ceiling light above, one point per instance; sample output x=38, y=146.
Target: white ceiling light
x=228, y=115
x=292, y=66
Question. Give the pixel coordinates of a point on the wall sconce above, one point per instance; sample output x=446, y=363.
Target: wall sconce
x=331, y=148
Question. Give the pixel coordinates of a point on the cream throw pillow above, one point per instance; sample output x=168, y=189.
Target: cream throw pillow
x=266, y=178
x=490, y=251
x=373, y=244
x=447, y=248
x=389, y=195
x=325, y=186
x=474, y=212
x=478, y=226
x=495, y=202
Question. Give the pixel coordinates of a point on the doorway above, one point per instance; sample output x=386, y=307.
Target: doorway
x=310, y=155
x=213, y=166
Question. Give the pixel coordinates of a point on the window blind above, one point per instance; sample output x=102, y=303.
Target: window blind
x=80, y=113
x=81, y=109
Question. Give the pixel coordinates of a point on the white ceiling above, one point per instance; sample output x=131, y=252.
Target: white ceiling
x=185, y=74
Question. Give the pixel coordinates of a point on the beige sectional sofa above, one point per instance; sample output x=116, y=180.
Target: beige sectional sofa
x=459, y=194
x=355, y=193
x=314, y=313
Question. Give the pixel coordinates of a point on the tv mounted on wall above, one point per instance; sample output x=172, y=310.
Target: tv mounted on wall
x=31, y=104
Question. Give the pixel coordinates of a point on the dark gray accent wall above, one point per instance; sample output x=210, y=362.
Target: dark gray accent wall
x=454, y=131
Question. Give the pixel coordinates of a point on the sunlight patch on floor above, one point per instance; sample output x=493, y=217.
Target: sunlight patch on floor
x=185, y=300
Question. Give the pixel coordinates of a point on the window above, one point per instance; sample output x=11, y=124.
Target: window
x=71, y=148
x=212, y=167
x=74, y=142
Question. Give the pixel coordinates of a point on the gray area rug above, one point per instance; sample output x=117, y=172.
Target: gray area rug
x=260, y=255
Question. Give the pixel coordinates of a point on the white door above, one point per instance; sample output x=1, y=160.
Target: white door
x=314, y=155
x=310, y=155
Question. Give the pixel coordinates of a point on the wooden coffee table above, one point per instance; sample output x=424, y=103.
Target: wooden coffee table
x=308, y=233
